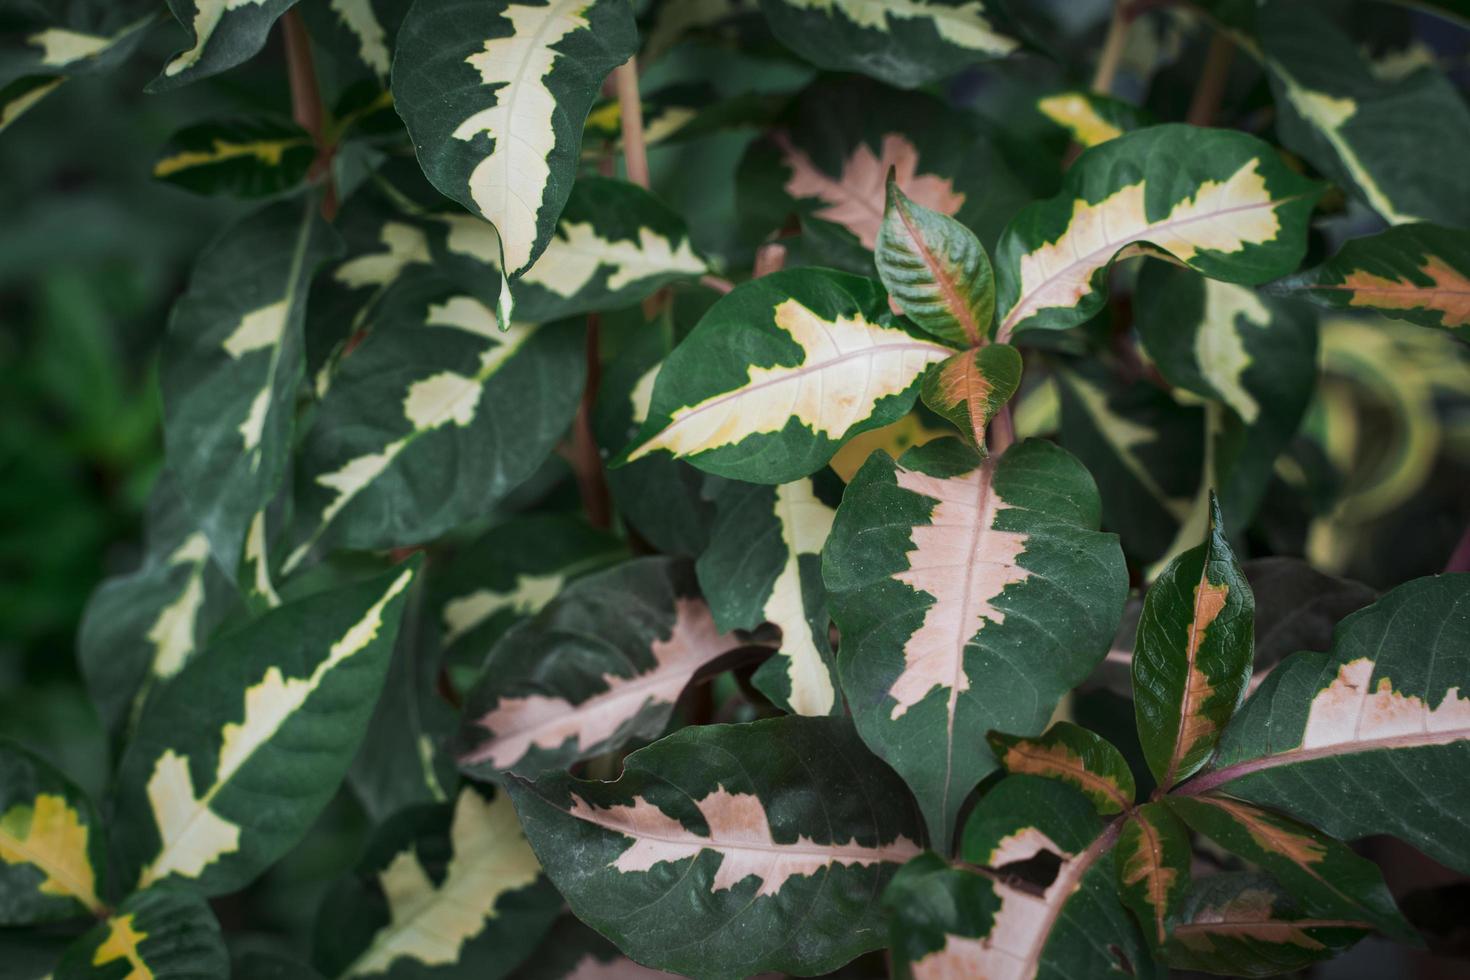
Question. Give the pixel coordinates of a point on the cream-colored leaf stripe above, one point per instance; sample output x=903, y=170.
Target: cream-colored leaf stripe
x=963, y=24
x=192, y=835
x=358, y=17
x=172, y=631
x=207, y=17
x=430, y=924
x=509, y=185
x=848, y=366
x=1075, y=113
x=124, y=942
x=573, y=258
x=48, y=834
x=530, y=594
x=267, y=152
x=19, y=104
x=805, y=523
x=1221, y=216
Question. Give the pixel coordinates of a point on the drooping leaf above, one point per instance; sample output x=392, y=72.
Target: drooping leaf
x=243, y=157
x=232, y=363
x=971, y=387
x=222, y=34
x=433, y=418
x=1358, y=128
x=1075, y=756
x=1192, y=658
x=1244, y=925
x=781, y=372
x=1223, y=203
x=1417, y=272
x=1369, y=737
x=141, y=628
x=604, y=663
x=446, y=891
x=936, y=269
x=495, y=96
x=960, y=923
x=615, y=244
x=1322, y=874
x=728, y=850
x=907, y=43
x=1153, y=856
x=231, y=764
x=158, y=934
x=52, y=847
x=55, y=46
x=764, y=565
x=970, y=595
x=362, y=30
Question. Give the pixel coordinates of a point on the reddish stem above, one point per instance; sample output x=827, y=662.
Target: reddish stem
x=1002, y=431
x=1460, y=558
x=306, y=105
x=630, y=112
x=586, y=457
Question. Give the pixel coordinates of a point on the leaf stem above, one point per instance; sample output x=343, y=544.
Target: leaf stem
x=306, y=104
x=1212, y=79
x=1112, y=51
x=1460, y=558
x=1002, y=431
x=586, y=457
x=630, y=114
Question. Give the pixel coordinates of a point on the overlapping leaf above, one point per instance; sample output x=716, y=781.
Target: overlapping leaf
x=1153, y=856
x=231, y=764
x=52, y=847
x=604, y=663
x=1192, y=658
x=908, y=43
x=971, y=595
x=1369, y=737
x=971, y=387
x=434, y=417
x=764, y=565
x=158, y=934
x=781, y=372
x=495, y=96
x=1417, y=272
x=451, y=891
x=1223, y=203
x=728, y=850
x=1089, y=118
x=244, y=157
x=222, y=34
x=1074, y=755
x=362, y=30
x=49, y=46
x=232, y=363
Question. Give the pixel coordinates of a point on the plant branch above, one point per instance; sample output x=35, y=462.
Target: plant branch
x=1002, y=431
x=630, y=114
x=1112, y=51
x=306, y=104
x=1211, y=88
x=1460, y=557
x=586, y=457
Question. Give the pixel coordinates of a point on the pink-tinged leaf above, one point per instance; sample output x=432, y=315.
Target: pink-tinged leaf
x=855, y=198
x=971, y=387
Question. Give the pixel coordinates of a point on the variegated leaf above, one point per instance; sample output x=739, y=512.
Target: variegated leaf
x=1373, y=733
x=908, y=43
x=495, y=96
x=1074, y=755
x=140, y=629
x=603, y=664
x=222, y=34
x=971, y=387
x=1222, y=203
x=49, y=51
x=508, y=574
x=53, y=852
x=1192, y=658
x=1418, y=272
x=936, y=269
x=1354, y=126
x=1322, y=874
x=232, y=363
x=433, y=418
x=731, y=849
x=948, y=922
x=363, y=31
x=231, y=764
x=615, y=244
x=158, y=934
x=243, y=157
x=764, y=565
x=971, y=595
x=1244, y=925
x=1090, y=119
x=1153, y=856
x=447, y=891
x=779, y=373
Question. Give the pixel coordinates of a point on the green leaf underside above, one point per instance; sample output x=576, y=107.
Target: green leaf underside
x=728, y=850
x=1221, y=202
x=157, y=934
x=941, y=570
x=603, y=664
x=270, y=712
x=495, y=96
x=746, y=395
x=1192, y=658
x=1417, y=272
x=1074, y=755
x=1374, y=732
x=52, y=852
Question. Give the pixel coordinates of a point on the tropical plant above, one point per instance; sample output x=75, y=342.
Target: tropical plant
x=741, y=578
